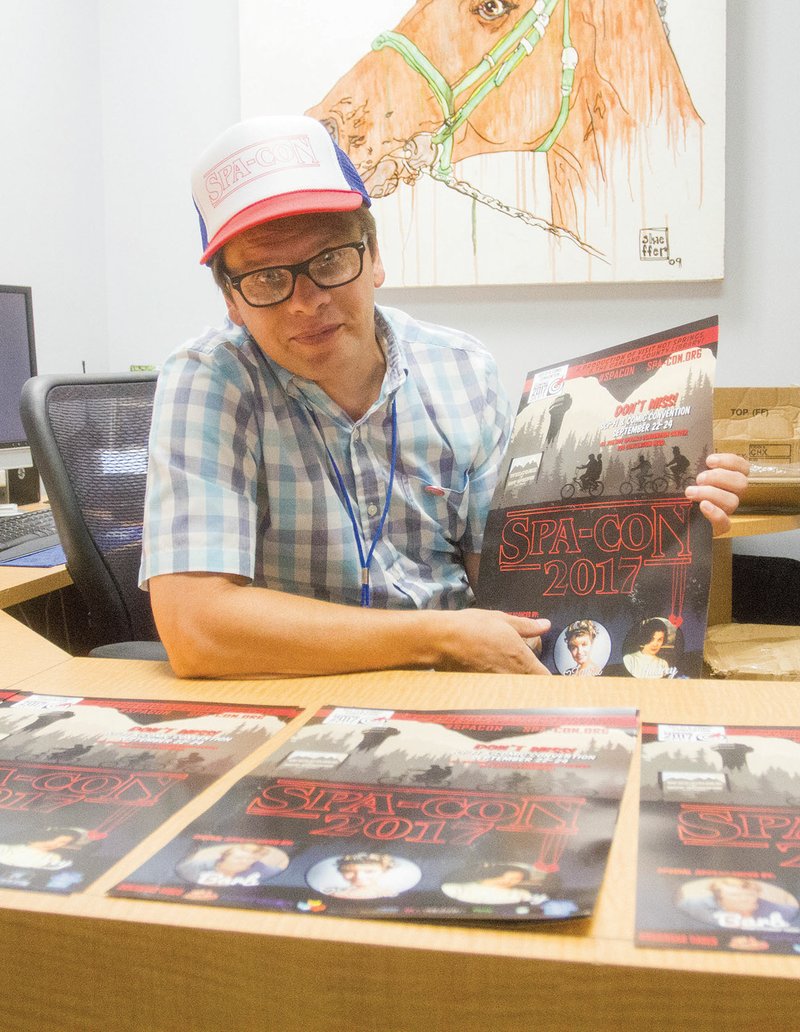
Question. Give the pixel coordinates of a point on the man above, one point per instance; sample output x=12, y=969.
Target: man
x=318, y=452
x=642, y=471
x=594, y=469
x=677, y=465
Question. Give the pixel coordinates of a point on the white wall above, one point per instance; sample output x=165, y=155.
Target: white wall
x=106, y=103
x=51, y=184
x=170, y=82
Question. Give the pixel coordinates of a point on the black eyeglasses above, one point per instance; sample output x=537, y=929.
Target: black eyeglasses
x=333, y=267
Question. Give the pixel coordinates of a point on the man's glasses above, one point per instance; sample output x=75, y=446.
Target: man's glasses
x=333, y=267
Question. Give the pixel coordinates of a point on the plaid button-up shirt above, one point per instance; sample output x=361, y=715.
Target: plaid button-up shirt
x=240, y=480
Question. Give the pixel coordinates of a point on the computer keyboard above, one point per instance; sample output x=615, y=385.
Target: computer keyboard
x=23, y=533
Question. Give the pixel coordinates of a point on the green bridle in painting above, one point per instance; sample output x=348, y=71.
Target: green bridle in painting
x=489, y=74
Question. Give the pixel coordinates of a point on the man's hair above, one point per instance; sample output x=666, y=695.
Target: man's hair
x=362, y=216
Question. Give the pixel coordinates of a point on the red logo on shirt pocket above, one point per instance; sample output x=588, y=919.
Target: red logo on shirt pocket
x=432, y=489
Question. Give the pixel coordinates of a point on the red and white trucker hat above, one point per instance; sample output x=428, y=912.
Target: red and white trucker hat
x=268, y=168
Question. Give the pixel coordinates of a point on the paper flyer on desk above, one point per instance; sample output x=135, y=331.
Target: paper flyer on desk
x=83, y=780
x=589, y=525
x=719, y=838
x=383, y=813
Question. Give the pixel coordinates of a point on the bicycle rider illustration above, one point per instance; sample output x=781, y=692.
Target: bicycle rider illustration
x=677, y=465
x=642, y=471
x=593, y=471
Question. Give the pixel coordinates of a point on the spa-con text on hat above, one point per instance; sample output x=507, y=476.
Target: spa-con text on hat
x=259, y=159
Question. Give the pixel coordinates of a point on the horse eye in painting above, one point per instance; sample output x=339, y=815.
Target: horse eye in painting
x=491, y=10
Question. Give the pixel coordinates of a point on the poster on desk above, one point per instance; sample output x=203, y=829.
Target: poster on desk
x=84, y=780
x=590, y=526
x=384, y=813
x=719, y=839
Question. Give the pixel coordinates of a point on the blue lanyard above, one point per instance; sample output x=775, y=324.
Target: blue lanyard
x=365, y=562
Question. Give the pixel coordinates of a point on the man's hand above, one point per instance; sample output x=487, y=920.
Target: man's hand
x=486, y=641
x=719, y=489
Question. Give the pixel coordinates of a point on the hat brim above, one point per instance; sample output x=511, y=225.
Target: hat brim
x=304, y=202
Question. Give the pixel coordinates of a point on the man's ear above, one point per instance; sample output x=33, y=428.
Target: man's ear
x=378, y=271
x=232, y=305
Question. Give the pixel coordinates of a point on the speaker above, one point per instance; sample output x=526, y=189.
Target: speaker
x=23, y=485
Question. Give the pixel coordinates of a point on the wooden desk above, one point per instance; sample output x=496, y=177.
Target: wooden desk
x=742, y=525
x=87, y=963
x=24, y=652
x=20, y=583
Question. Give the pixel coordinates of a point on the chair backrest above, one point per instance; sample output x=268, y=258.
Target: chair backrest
x=88, y=437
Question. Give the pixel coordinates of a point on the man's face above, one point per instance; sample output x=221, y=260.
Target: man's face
x=737, y=896
x=362, y=874
x=318, y=333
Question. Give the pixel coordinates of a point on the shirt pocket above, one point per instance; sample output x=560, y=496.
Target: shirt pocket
x=440, y=511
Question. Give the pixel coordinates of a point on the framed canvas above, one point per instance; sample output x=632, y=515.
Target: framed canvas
x=513, y=141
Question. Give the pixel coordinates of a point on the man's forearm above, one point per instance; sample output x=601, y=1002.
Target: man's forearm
x=214, y=626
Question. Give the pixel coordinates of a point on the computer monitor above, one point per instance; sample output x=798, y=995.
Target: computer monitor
x=17, y=364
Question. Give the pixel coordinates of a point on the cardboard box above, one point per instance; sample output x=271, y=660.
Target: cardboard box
x=763, y=425
x=753, y=652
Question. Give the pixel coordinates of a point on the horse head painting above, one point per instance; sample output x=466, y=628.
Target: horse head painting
x=590, y=88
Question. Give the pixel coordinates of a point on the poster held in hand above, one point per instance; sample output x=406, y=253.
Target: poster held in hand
x=590, y=526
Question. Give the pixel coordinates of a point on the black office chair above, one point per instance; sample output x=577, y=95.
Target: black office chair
x=88, y=437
